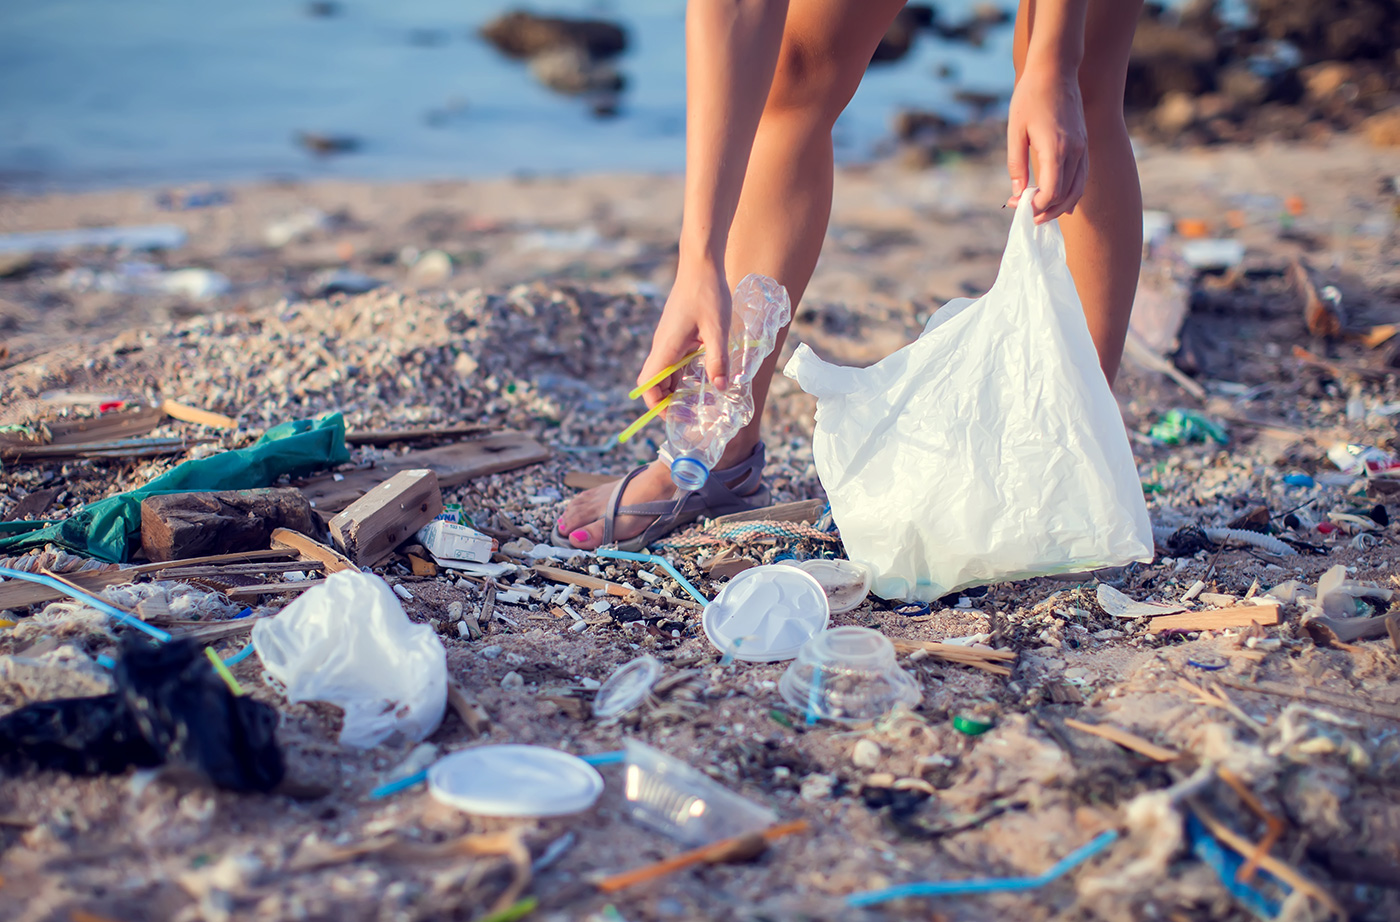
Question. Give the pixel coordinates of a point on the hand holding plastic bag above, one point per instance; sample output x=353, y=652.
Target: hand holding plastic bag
x=989, y=449
x=349, y=643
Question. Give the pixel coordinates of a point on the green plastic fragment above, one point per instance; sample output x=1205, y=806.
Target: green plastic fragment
x=105, y=529
x=1181, y=427
x=971, y=726
x=779, y=717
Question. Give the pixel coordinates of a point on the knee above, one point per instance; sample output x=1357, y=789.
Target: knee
x=811, y=83
x=1102, y=95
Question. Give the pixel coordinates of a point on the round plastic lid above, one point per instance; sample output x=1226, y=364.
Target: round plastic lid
x=514, y=780
x=766, y=614
x=846, y=583
x=627, y=687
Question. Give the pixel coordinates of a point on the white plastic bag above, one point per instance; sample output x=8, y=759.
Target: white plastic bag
x=989, y=449
x=348, y=642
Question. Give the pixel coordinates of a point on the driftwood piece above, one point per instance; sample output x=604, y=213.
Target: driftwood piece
x=189, y=414
x=804, y=510
x=287, y=540
x=251, y=593
x=176, y=525
x=390, y=436
x=370, y=528
x=453, y=464
x=1215, y=619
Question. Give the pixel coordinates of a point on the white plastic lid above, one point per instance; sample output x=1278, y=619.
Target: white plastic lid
x=766, y=614
x=627, y=687
x=514, y=780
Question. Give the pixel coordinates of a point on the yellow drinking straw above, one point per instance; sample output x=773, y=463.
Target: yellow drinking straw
x=660, y=376
x=645, y=418
x=223, y=671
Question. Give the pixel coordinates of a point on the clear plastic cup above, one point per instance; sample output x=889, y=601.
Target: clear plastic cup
x=675, y=799
x=847, y=674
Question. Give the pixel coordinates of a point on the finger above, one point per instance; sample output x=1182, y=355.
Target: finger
x=1017, y=162
x=717, y=355
x=1051, y=179
x=1071, y=188
x=1077, y=187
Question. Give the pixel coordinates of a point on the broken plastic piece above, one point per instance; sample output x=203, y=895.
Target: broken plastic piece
x=627, y=687
x=847, y=674
x=661, y=562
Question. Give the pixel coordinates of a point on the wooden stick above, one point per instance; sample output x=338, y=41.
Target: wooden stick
x=284, y=539
x=614, y=589
x=1274, y=826
x=248, y=593
x=736, y=848
x=1126, y=740
x=389, y=436
x=1390, y=712
x=986, y=660
x=189, y=414
x=476, y=719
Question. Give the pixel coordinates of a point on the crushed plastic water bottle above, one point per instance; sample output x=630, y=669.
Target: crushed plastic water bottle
x=701, y=419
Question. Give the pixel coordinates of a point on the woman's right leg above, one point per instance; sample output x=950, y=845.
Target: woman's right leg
x=784, y=207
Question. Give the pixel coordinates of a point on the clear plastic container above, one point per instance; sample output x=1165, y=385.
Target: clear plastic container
x=701, y=420
x=845, y=582
x=848, y=674
x=679, y=801
x=627, y=687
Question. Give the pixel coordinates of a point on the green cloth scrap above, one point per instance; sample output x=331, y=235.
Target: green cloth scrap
x=104, y=529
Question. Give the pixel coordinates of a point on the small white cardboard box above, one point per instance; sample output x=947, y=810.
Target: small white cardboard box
x=450, y=541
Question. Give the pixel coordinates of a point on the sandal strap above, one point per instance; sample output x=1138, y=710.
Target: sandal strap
x=614, y=504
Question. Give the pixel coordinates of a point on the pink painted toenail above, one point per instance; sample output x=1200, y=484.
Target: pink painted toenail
x=579, y=534
x=559, y=523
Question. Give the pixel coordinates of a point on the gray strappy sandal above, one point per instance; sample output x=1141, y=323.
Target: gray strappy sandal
x=715, y=498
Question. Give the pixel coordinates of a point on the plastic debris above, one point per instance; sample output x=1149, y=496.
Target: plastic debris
x=170, y=709
x=847, y=674
x=682, y=802
x=1181, y=427
x=348, y=642
x=1057, y=463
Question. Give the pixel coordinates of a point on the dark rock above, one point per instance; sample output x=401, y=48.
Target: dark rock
x=1333, y=29
x=571, y=71
x=324, y=145
x=521, y=34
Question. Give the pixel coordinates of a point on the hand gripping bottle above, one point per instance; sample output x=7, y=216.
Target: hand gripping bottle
x=700, y=419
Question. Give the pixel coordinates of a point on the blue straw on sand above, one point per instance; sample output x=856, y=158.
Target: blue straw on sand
x=661, y=562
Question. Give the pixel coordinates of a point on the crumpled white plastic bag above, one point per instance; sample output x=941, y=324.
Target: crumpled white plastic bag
x=348, y=642
x=989, y=449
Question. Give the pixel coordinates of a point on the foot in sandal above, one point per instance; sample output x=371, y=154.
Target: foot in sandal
x=645, y=505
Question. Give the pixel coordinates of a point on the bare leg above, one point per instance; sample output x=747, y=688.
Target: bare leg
x=1103, y=237
x=785, y=205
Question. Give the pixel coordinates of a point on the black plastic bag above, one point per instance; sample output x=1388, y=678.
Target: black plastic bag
x=170, y=708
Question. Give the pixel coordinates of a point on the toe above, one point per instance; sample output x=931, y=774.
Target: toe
x=588, y=537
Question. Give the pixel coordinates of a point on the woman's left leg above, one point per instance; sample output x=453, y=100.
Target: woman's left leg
x=1103, y=237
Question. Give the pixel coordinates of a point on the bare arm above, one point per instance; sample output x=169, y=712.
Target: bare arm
x=1047, y=112
x=731, y=52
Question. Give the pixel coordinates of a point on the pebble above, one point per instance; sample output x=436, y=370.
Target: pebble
x=512, y=680
x=866, y=754
x=454, y=611
x=816, y=787
x=492, y=651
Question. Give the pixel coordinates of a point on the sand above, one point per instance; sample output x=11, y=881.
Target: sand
x=540, y=329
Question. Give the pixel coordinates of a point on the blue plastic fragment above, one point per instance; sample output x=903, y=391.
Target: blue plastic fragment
x=985, y=884
x=1299, y=480
x=661, y=562
x=107, y=609
x=240, y=656
x=1226, y=865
